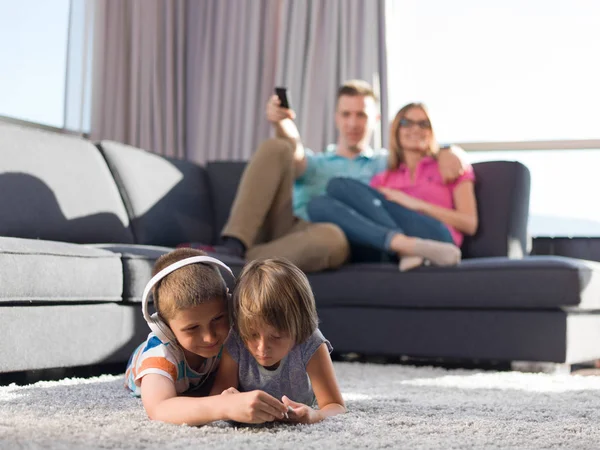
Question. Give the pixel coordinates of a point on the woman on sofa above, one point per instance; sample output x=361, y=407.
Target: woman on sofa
x=407, y=210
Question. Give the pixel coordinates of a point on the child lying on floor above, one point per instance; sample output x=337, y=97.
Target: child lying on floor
x=275, y=345
x=182, y=353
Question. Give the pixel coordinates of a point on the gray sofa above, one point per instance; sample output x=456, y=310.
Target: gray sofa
x=82, y=224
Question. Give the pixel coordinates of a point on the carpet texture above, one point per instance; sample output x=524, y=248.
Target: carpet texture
x=390, y=406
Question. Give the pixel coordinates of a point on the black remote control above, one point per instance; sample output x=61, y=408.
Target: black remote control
x=281, y=92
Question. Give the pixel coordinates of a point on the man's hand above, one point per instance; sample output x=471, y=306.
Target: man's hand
x=452, y=162
x=396, y=196
x=285, y=128
x=300, y=412
x=255, y=407
x=275, y=113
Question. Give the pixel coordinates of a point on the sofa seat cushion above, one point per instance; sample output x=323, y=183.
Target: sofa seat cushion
x=535, y=282
x=138, y=261
x=57, y=272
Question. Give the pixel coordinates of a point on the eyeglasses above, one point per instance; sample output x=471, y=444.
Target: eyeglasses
x=422, y=124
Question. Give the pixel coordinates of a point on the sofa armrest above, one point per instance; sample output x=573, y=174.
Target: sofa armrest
x=502, y=189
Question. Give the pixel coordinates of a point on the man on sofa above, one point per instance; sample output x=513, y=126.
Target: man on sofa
x=268, y=217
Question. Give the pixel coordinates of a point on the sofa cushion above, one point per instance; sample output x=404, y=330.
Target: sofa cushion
x=535, y=282
x=46, y=271
x=138, y=261
x=59, y=336
x=168, y=200
x=502, y=192
x=57, y=187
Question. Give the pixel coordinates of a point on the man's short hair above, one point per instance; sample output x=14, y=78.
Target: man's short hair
x=188, y=286
x=353, y=88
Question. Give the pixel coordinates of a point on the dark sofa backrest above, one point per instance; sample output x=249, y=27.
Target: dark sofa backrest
x=224, y=178
x=168, y=200
x=502, y=191
x=57, y=187
x=501, y=187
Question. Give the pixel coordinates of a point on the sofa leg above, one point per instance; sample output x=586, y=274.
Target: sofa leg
x=540, y=366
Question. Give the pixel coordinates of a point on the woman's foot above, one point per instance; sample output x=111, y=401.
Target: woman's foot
x=438, y=253
x=410, y=262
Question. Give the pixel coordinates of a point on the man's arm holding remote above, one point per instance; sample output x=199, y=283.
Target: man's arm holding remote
x=282, y=120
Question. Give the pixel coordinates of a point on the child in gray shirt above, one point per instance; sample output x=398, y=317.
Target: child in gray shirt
x=275, y=345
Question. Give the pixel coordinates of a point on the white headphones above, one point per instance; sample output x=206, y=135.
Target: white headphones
x=156, y=324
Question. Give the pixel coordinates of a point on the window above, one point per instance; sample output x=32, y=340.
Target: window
x=34, y=60
x=46, y=54
x=498, y=71
x=563, y=186
x=520, y=72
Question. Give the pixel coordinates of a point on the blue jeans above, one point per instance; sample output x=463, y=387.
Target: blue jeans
x=368, y=218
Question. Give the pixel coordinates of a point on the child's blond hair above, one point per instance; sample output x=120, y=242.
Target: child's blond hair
x=274, y=292
x=188, y=286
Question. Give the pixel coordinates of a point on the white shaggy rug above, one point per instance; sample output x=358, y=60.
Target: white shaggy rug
x=390, y=406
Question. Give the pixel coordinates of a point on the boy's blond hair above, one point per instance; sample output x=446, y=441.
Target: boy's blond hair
x=274, y=292
x=188, y=286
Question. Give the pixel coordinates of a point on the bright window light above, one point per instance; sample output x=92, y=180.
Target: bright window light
x=564, y=184
x=516, y=70
x=33, y=55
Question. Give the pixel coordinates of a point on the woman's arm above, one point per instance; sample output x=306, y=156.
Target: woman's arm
x=227, y=375
x=463, y=217
x=327, y=392
x=162, y=403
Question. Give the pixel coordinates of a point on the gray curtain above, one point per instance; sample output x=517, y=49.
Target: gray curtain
x=322, y=44
x=231, y=60
x=239, y=50
x=139, y=76
x=190, y=78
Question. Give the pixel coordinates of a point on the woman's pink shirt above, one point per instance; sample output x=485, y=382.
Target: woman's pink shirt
x=427, y=185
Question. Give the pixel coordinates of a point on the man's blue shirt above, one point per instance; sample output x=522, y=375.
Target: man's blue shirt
x=322, y=167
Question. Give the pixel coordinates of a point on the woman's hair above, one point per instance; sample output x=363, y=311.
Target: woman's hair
x=188, y=286
x=396, y=153
x=274, y=292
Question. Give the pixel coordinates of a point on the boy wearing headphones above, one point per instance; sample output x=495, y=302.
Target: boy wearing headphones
x=183, y=350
